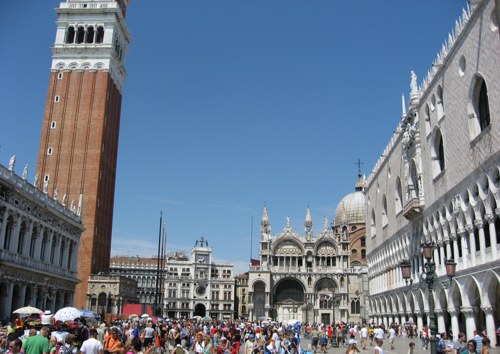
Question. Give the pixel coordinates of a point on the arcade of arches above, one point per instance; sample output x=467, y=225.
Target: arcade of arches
x=471, y=303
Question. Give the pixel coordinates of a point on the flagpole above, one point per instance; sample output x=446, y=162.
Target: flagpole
x=155, y=310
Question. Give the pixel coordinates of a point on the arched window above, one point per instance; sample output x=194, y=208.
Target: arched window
x=61, y=253
x=384, y=211
x=70, y=256
x=8, y=233
x=483, y=106
x=80, y=36
x=90, y=35
x=440, y=103
x=53, y=250
x=479, y=108
x=427, y=119
x=100, y=34
x=355, y=306
x=398, y=196
x=22, y=237
x=373, y=225
x=363, y=241
x=363, y=254
x=33, y=242
x=44, y=246
x=437, y=154
x=70, y=34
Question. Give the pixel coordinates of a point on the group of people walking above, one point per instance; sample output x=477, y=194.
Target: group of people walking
x=138, y=336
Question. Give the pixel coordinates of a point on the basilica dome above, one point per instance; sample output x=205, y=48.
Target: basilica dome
x=352, y=208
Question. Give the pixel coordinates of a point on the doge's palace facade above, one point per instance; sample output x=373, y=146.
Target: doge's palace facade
x=438, y=180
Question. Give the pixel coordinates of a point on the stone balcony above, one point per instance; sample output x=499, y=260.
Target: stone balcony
x=413, y=209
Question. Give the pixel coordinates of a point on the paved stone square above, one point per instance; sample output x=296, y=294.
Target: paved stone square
x=401, y=347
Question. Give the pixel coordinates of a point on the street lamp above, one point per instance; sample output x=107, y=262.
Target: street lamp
x=429, y=277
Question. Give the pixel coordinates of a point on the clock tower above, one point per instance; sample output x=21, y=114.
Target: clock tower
x=79, y=142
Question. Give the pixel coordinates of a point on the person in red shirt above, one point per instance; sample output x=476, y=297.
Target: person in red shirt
x=329, y=329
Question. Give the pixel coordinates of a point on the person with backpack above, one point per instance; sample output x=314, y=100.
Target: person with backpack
x=323, y=341
x=68, y=347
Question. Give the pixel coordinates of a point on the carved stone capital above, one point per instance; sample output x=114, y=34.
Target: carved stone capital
x=469, y=228
x=479, y=223
x=453, y=312
x=489, y=218
x=439, y=312
x=468, y=311
x=488, y=310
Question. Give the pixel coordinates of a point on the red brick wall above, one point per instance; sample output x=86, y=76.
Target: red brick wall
x=85, y=147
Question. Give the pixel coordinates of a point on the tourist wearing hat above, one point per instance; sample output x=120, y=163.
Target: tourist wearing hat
x=250, y=344
x=225, y=345
x=47, y=318
x=352, y=347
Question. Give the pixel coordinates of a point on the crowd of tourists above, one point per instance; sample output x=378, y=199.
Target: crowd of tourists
x=183, y=336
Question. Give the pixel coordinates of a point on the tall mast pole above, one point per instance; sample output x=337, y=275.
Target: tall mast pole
x=155, y=310
x=251, y=238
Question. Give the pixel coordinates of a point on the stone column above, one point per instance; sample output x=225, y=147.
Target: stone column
x=22, y=300
x=454, y=321
x=493, y=240
x=3, y=226
x=470, y=323
x=472, y=244
x=455, y=248
x=7, y=310
x=420, y=322
x=27, y=238
x=465, y=250
x=14, y=239
x=482, y=244
x=441, y=326
x=38, y=243
x=490, y=325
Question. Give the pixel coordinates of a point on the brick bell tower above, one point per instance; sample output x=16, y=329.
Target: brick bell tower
x=79, y=143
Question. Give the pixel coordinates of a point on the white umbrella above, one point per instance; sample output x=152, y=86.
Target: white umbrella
x=28, y=310
x=145, y=315
x=67, y=314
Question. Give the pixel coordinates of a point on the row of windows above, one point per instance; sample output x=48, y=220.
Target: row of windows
x=87, y=34
x=479, y=121
x=58, y=244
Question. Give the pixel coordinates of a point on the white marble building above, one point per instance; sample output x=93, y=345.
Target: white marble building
x=313, y=277
x=193, y=286
x=39, y=240
x=438, y=180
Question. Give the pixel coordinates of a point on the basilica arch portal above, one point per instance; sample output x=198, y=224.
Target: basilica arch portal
x=289, y=300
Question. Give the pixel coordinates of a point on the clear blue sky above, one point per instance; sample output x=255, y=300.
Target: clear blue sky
x=232, y=104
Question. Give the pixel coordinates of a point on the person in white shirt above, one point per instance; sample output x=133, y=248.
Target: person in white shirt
x=91, y=345
x=392, y=336
x=363, y=335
